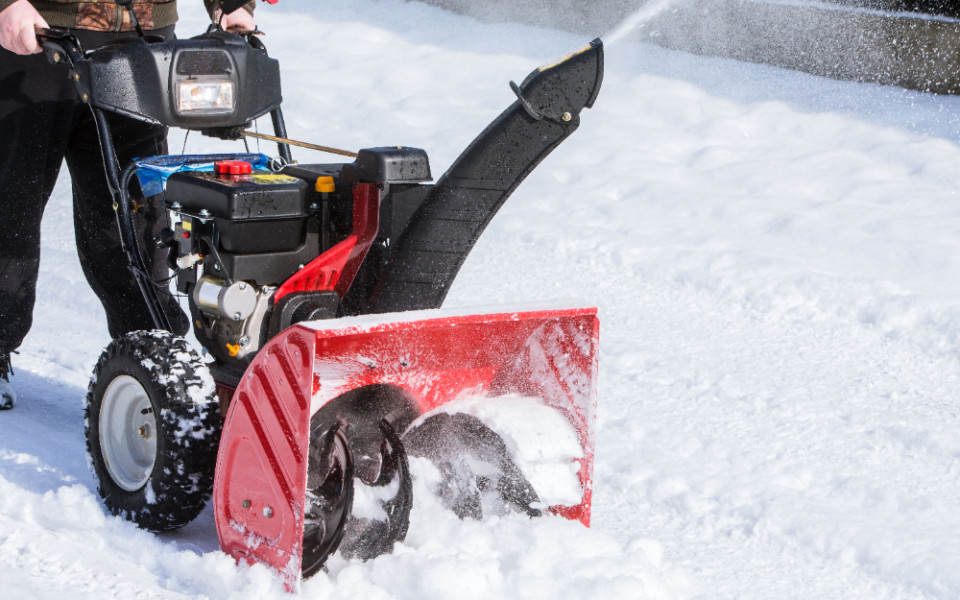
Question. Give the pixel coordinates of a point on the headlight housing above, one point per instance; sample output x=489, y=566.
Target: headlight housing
x=205, y=96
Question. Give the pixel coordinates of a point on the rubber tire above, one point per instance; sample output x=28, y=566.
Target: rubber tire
x=183, y=397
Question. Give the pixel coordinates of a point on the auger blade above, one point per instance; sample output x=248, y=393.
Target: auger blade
x=329, y=497
x=474, y=463
x=391, y=499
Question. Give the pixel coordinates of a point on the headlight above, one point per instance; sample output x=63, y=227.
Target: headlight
x=205, y=96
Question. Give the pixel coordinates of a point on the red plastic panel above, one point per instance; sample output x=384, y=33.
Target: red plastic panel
x=336, y=268
x=260, y=484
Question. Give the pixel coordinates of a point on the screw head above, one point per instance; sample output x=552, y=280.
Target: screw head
x=566, y=117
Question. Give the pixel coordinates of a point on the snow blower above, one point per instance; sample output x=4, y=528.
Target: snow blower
x=315, y=291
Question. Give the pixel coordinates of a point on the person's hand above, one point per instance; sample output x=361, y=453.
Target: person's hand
x=239, y=20
x=17, y=22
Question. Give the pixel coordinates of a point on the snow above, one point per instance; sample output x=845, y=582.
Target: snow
x=774, y=259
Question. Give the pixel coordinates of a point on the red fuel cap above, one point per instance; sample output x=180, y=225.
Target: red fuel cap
x=232, y=167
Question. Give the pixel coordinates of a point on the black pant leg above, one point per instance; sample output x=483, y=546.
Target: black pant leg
x=35, y=114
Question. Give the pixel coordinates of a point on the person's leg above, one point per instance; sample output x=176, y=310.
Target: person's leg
x=30, y=159
x=35, y=112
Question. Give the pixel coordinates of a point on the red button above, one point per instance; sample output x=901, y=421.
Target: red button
x=232, y=167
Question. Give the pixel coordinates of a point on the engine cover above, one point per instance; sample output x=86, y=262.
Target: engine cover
x=255, y=212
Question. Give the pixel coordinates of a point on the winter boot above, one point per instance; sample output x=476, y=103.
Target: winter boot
x=7, y=396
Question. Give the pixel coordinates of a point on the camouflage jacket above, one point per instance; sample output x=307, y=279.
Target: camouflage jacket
x=99, y=15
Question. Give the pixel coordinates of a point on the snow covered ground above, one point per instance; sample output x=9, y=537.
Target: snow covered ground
x=775, y=258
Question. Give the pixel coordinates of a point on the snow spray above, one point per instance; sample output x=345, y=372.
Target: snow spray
x=638, y=19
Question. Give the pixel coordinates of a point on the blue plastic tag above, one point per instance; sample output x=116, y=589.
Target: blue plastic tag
x=154, y=171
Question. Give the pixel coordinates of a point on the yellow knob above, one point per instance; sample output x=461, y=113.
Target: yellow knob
x=325, y=184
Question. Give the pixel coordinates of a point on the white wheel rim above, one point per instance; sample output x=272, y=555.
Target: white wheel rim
x=128, y=433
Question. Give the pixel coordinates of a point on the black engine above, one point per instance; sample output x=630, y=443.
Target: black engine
x=242, y=232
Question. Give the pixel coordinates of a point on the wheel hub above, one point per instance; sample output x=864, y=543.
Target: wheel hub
x=127, y=424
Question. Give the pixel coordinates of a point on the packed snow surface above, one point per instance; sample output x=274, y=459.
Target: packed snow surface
x=775, y=260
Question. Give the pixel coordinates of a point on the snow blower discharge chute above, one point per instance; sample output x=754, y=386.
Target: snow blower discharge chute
x=315, y=290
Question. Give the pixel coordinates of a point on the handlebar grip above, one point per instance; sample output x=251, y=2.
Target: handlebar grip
x=48, y=33
x=59, y=44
